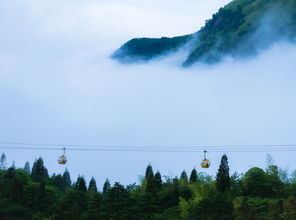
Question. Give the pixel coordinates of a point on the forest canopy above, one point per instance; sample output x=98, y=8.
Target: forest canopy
x=31, y=194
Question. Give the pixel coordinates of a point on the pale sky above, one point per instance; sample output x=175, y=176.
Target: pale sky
x=58, y=85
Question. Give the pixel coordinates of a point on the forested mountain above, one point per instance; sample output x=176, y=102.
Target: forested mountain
x=31, y=194
x=241, y=28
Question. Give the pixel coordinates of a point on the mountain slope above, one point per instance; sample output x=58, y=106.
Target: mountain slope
x=242, y=28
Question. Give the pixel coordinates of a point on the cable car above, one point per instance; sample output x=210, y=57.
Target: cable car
x=62, y=159
x=205, y=163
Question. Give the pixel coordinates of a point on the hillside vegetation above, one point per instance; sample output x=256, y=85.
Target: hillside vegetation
x=240, y=29
x=31, y=194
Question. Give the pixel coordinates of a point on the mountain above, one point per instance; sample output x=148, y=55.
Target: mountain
x=240, y=29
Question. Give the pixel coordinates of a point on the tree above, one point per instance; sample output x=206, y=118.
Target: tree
x=223, y=178
x=106, y=186
x=193, y=176
x=27, y=168
x=92, y=185
x=184, y=176
x=255, y=183
x=158, y=180
x=93, y=206
x=57, y=181
x=39, y=172
x=67, y=179
x=149, y=171
x=3, y=163
x=149, y=177
x=80, y=184
x=116, y=203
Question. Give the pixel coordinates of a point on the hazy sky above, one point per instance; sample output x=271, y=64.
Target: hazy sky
x=58, y=85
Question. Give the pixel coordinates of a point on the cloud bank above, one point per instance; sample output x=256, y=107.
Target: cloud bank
x=58, y=85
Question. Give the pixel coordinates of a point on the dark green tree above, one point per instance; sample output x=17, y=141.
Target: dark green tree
x=39, y=172
x=93, y=206
x=57, y=181
x=193, y=176
x=158, y=180
x=149, y=178
x=223, y=178
x=92, y=185
x=255, y=183
x=184, y=176
x=116, y=203
x=66, y=179
x=3, y=163
x=80, y=184
x=106, y=186
x=27, y=168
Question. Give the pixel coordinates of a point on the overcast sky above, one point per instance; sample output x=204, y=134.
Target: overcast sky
x=58, y=85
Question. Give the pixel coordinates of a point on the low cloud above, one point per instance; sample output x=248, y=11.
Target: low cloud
x=58, y=88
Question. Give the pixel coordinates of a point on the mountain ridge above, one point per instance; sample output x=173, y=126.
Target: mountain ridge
x=242, y=28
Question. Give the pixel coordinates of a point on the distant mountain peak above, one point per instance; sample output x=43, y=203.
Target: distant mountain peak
x=240, y=29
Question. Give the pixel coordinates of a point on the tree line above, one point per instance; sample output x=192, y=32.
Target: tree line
x=31, y=194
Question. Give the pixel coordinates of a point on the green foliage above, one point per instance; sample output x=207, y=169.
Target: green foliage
x=184, y=176
x=257, y=194
x=241, y=28
x=223, y=179
x=80, y=184
x=147, y=48
x=39, y=172
x=66, y=179
x=3, y=163
x=158, y=180
x=193, y=176
x=106, y=186
x=92, y=185
x=27, y=168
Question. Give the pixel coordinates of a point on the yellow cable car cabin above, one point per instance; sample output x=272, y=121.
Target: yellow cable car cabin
x=62, y=159
x=205, y=163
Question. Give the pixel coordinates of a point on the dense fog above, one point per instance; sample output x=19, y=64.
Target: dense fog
x=58, y=85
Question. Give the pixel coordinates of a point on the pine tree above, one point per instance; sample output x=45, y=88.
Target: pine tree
x=184, y=176
x=80, y=184
x=223, y=178
x=106, y=186
x=193, y=176
x=149, y=177
x=149, y=171
x=27, y=168
x=158, y=180
x=66, y=179
x=116, y=203
x=39, y=172
x=3, y=163
x=92, y=185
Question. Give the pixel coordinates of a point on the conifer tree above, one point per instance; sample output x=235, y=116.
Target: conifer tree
x=66, y=179
x=149, y=171
x=184, y=176
x=193, y=176
x=39, y=172
x=27, y=168
x=92, y=185
x=106, y=186
x=158, y=180
x=149, y=177
x=3, y=163
x=80, y=184
x=223, y=178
